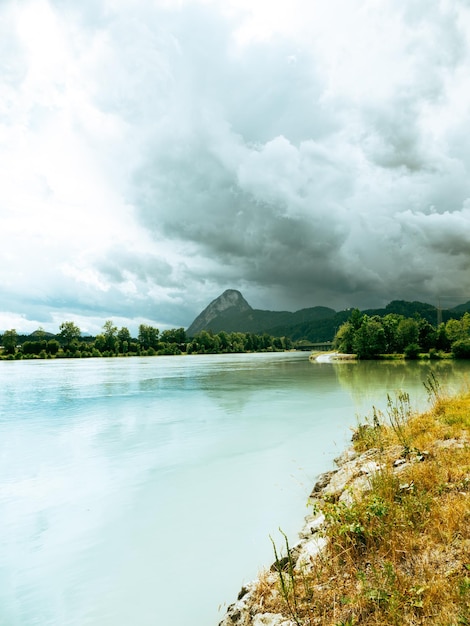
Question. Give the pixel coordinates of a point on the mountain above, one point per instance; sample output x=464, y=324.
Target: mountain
x=41, y=334
x=230, y=304
x=409, y=309
x=232, y=313
x=462, y=308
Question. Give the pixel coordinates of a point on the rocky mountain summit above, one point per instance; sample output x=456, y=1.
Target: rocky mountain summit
x=231, y=302
x=230, y=312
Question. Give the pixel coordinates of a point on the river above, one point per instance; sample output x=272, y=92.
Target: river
x=143, y=490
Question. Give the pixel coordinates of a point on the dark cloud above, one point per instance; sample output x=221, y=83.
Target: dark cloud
x=322, y=163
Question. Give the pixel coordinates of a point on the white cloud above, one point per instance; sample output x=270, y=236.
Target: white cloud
x=153, y=154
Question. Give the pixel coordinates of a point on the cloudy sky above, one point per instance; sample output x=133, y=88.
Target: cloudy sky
x=154, y=153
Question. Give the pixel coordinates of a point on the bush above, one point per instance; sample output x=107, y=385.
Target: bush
x=412, y=351
x=461, y=349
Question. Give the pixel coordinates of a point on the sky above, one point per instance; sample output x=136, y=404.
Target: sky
x=154, y=153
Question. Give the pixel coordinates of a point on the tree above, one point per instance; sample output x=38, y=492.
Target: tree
x=34, y=347
x=461, y=349
x=68, y=332
x=465, y=322
x=124, y=338
x=148, y=337
x=174, y=335
x=454, y=330
x=369, y=340
x=110, y=336
x=355, y=319
x=442, y=341
x=412, y=351
x=407, y=333
x=427, y=335
x=224, y=341
x=53, y=346
x=100, y=343
x=10, y=341
x=390, y=323
x=205, y=342
x=344, y=338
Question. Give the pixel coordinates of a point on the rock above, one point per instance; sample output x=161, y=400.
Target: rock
x=313, y=524
x=370, y=468
x=231, y=300
x=271, y=619
x=348, y=455
x=356, y=487
x=323, y=480
x=240, y=612
x=350, y=480
x=450, y=443
x=242, y=593
x=399, y=462
x=309, y=551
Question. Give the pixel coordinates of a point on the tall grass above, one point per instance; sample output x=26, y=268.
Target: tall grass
x=398, y=553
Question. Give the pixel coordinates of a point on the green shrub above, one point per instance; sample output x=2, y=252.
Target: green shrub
x=412, y=351
x=461, y=349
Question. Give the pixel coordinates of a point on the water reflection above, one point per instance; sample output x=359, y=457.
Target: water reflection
x=364, y=378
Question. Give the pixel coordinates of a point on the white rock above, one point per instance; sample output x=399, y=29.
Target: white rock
x=271, y=619
x=309, y=552
x=370, y=468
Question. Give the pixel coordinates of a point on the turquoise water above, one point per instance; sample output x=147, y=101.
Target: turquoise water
x=143, y=491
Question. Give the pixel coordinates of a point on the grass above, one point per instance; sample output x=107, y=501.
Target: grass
x=398, y=553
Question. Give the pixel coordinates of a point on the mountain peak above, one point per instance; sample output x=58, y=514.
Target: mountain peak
x=230, y=299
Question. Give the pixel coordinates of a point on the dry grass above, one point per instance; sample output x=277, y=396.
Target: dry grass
x=399, y=553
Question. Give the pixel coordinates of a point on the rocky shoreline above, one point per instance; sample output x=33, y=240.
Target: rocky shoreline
x=352, y=476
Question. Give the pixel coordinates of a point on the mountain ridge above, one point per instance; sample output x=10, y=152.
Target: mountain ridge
x=230, y=312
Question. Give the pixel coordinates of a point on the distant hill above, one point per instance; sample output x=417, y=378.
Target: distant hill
x=232, y=313
x=461, y=308
x=41, y=334
x=408, y=309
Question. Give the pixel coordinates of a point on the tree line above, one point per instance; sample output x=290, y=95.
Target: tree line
x=371, y=336
x=114, y=341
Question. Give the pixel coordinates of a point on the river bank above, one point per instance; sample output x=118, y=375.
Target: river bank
x=388, y=541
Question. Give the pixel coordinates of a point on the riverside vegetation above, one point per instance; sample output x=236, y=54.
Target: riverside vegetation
x=370, y=337
x=69, y=343
x=393, y=542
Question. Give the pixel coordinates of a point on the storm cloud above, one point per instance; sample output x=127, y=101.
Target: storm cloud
x=156, y=153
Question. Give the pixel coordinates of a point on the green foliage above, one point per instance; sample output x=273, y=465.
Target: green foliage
x=53, y=346
x=110, y=336
x=68, y=332
x=33, y=347
x=427, y=338
x=461, y=349
x=412, y=351
x=453, y=330
x=148, y=337
x=174, y=335
x=207, y=342
x=287, y=580
x=10, y=341
x=407, y=333
x=344, y=339
x=124, y=338
x=369, y=339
